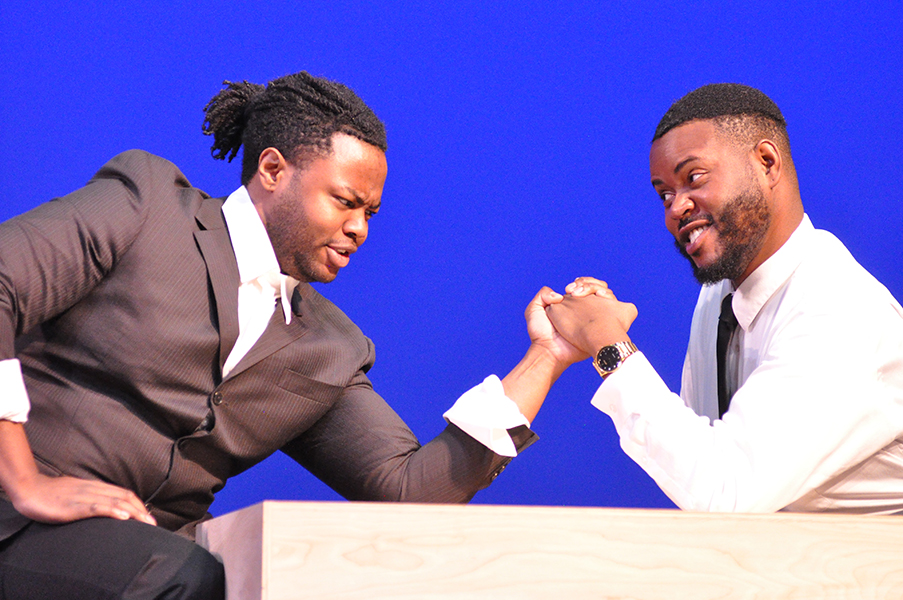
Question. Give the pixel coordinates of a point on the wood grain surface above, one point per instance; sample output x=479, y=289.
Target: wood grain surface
x=339, y=550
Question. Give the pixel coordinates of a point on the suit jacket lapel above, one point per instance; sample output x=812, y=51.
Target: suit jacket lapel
x=277, y=335
x=222, y=270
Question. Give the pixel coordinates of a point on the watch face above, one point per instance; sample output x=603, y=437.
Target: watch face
x=608, y=358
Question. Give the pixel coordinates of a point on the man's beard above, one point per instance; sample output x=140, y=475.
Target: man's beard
x=294, y=245
x=741, y=228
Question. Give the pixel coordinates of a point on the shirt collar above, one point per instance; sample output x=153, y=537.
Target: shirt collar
x=253, y=250
x=762, y=283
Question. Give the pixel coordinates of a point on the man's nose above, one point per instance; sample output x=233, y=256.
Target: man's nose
x=356, y=227
x=681, y=205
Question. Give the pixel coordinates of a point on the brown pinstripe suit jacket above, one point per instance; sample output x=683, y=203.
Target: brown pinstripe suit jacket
x=122, y=301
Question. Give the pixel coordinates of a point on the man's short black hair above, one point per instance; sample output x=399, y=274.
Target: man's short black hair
x=721, y=100
x=297, y=114
x=741, y=114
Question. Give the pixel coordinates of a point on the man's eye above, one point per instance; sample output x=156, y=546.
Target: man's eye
x=666, y=197
x=694, y=177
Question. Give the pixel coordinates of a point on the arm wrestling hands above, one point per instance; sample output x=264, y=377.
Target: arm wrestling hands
x=58, y=499
x=564, y=330
x=589, y=316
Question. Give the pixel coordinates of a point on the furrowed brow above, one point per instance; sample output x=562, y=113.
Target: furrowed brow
x=358, y=200
x=351, y=192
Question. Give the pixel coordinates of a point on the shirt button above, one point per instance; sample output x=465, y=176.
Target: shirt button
x=206, y=424
x=217, y=398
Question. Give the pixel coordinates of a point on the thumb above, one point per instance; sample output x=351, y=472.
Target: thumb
x=547, y=296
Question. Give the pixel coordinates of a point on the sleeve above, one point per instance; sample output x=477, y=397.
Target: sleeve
x=14, y=404
x=53, y=255
x=800, y=418
x=486, y=414
x=363, y=450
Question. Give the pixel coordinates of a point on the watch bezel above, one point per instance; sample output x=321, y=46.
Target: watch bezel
x=609, y=358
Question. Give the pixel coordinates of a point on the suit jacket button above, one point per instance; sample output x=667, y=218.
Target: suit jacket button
x=217, y=398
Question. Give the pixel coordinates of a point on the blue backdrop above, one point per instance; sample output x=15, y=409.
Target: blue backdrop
x=518, y=157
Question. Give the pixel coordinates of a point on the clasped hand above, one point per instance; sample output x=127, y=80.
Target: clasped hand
x=575, y=325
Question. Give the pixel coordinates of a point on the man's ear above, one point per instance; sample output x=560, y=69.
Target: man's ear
x=768, y=156
x=271, y=167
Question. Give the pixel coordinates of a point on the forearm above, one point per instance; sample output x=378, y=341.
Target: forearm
x=52, y=499
x=530, y=380
x=364, y=451
x=17, y=465
x=783, y=437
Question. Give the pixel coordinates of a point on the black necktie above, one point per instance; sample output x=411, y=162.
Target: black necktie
x=727, y=323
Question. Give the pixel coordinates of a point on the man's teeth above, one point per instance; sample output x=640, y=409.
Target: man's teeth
x=696, y=233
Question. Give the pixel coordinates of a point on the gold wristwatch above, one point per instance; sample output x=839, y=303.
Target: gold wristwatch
x=609, y=358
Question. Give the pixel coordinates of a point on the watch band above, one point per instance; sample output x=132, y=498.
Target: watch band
x=609, y=358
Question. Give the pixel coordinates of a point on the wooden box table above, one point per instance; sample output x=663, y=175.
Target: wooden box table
x=344, y=550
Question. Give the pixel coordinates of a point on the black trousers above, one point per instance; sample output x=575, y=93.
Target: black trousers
x=100, y=559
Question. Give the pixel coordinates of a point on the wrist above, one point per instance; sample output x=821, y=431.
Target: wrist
x=600, y=339
x=546, y=359
x=609, y=358
x=530, y=380
x=18, y=471
x=20, y=487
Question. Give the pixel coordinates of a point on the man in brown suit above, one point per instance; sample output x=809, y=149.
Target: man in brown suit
x=140, y=314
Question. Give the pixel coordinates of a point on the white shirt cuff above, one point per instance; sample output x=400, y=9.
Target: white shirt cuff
x=486, y=414
x=633, y=388
x=14, y=404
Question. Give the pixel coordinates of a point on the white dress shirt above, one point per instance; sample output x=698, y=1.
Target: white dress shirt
x=484, y=412
x=816, y=423
x=262, y=282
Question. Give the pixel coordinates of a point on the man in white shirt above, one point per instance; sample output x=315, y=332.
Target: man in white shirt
x=155, y=341
x=803, y=410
